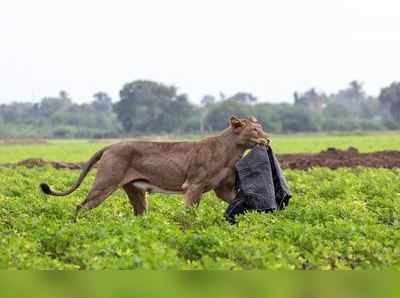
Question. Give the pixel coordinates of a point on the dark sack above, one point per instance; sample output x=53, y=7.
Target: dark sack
x=260, y=184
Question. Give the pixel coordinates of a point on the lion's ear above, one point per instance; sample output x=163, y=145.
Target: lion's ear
x=235, y=122
x=253, y=119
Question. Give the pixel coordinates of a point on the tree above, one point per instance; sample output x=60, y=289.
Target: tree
x=356, y=90
x=390, y=99
x=311, y=100
x=371, y=109
x=217, y=118
x=336, y=111
x=63, y=95
x=269, y=115
x=243, y=97
x=175, y=114
x=49, y=106
x=208, y=100
x=351, y=97
x=148, y=106
x=297, y=119
x=102, y=102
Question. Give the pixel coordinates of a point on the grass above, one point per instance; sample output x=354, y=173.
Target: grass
x=342, y=219
x=337, y=219
x=81, y=150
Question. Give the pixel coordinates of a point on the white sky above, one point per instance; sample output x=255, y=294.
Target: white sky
x=269, y=48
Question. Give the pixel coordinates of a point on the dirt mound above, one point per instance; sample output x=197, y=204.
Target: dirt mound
x=335, y=158
x=331, y=158
x=37, y=162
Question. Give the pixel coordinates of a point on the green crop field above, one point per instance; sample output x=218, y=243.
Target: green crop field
x=337, y=219
x=343, y=219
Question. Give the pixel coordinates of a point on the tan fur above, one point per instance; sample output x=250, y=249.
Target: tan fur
x=191, y=168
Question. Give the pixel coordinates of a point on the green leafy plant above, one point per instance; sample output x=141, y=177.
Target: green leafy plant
x=337, y=219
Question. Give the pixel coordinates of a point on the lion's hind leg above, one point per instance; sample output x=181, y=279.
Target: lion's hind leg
x=96, y=196
x=137, y=198
x=104, y=184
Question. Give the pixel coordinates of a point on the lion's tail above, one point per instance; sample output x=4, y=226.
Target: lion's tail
x=85, y=170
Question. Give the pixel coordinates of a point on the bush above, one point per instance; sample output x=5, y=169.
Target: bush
x=63, y=132
x=391, y=124
x=371, y=125
x=296, y=119
x=339, y=125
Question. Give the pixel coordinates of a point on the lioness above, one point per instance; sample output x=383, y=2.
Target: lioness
x=191, y=168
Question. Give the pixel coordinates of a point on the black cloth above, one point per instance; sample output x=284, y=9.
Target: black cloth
x=260, y=184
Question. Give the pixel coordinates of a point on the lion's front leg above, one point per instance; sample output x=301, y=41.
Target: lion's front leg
x=225, y=193
x=193, y=195
x=226, y=189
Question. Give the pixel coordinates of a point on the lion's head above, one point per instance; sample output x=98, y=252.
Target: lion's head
x=249, y=132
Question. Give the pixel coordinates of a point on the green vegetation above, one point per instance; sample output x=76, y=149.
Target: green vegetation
x=82, y=150
x=342, y=219
x=69, y=150
x=148, y=107
x=337, y=219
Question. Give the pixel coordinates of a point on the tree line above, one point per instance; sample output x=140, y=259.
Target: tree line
x=148, y=107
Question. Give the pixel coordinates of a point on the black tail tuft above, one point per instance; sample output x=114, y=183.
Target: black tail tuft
x=45, y=188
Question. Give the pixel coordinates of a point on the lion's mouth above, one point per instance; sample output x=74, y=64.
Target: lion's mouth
x=261, y=141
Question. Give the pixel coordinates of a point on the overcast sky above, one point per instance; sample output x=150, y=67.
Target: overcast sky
x=269, y=48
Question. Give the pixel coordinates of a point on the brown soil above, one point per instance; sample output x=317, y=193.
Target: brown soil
x=38, y=162
x=331, y=158
x=335, y=158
